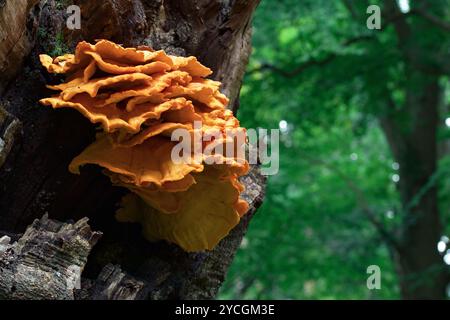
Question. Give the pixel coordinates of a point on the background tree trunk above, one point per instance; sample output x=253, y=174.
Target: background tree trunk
x=38, y=143
x=422, y=272
x=411, y=131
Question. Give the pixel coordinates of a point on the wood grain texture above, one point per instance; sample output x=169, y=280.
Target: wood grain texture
x=43, y=263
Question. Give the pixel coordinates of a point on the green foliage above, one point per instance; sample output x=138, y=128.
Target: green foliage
x=59, y=46
x=53, y=43
x=63, y=4
x=312, y=238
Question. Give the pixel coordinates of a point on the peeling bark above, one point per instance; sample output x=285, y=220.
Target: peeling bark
x=10, y=132
x=44, y=262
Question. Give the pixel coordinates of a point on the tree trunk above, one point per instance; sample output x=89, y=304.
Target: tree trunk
x=411, y=131
x=421, y=270
x=38, y=143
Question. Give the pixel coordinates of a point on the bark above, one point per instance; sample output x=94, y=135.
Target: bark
x=34, y=176
x=421, y=270
x=16, y=36
x=411, y=132
x=45, y=260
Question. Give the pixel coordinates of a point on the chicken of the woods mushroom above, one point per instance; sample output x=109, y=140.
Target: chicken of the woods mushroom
x=140, y=97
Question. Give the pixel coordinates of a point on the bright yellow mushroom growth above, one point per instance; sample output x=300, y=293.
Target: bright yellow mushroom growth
x=139, y=97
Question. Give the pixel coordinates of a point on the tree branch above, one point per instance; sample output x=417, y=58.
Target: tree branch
x=394, y=16
x=431, y=18
x=313, y=62
x=363, y=203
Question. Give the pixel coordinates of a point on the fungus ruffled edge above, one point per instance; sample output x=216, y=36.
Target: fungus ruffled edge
x=139, y=96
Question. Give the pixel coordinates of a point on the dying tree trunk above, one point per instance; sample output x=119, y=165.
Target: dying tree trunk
x=37, y=145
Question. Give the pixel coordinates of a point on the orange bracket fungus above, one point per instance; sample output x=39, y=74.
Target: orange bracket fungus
x=140, y=97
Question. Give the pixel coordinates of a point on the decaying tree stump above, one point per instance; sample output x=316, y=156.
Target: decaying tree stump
x=37, y=144
x=45, y=260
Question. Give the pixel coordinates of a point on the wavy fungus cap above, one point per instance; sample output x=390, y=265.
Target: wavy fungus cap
x=139, y=97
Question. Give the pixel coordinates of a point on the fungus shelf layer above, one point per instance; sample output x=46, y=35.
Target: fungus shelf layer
x=140, y=97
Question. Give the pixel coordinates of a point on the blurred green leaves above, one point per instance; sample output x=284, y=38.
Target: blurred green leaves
x=311, y=239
